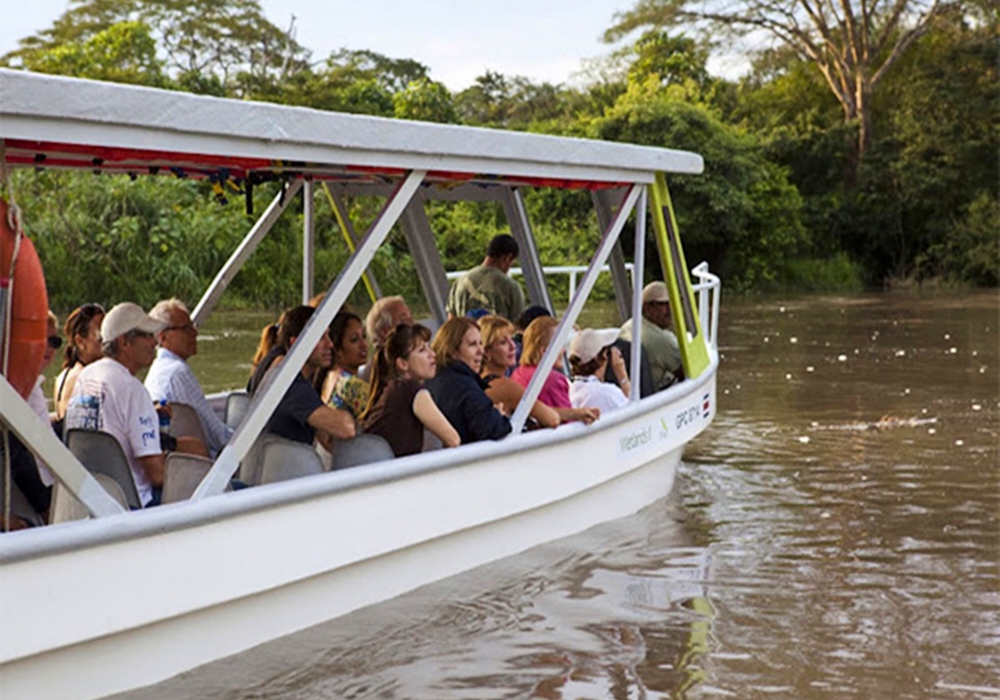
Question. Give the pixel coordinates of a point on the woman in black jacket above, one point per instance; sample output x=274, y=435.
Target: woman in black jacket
x=458, y=390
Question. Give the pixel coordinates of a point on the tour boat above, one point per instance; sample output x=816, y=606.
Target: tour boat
x=122, y=599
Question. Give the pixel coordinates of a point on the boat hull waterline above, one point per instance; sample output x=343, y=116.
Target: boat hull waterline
x=179, y=587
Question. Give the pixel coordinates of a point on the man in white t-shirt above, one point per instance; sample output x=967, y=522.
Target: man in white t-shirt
x=590, y=352
x=108, y=397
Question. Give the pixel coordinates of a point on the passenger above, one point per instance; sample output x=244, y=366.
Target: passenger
x=343, y=388
x=400, y=407
x=523, y=321
x=488, y=285
x=171, y=379
x=83, y=346
x=27, y=472
x=555, y=390
x=36, y=399
x=268, y=339
x=383, y=317
x=270, y=349
x=499, y=357
x=109, y=397
x=301, y=414
x=457, y=388
x=658, y=340
x=590, y=352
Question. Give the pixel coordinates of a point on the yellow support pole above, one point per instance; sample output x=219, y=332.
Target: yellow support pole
x=350, y=242
x=687, y=325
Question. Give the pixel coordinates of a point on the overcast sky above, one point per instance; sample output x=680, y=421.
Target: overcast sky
x=544, y=40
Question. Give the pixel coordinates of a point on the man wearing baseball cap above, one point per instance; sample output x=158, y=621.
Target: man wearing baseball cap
x=590, y=351
x=658, y=340
x=108, y=396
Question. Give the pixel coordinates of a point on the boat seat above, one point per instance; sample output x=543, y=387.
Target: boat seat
x=100, y=453
x=185, y=422
x=182, y=474
x=283, y=459
x=20, y=507
x=66, y=506
x=361, y=449
x=237, y=404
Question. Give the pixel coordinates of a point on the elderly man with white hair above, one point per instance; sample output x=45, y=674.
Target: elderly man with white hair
x=170, y=377
x=382, y=318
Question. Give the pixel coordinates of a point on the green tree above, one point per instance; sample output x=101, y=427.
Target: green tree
x=230, y=41
x=425, y=100
x=742, y=214
x=853, y=44
x=122, y=53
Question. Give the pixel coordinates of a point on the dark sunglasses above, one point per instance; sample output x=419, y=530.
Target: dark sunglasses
x=55, y=342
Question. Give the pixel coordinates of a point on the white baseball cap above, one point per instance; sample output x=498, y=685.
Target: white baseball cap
x=127, y=317
x=655, y=291
x=588, y=343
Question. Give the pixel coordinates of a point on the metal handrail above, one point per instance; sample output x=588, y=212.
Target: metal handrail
x=571, y=270
x=708, y=289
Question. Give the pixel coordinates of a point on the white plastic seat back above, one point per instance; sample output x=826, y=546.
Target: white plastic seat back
x=101, y=453
x=66, y=507
x=361, y=449
x=182, y=474
x=185, y=422
x=237, y=404
x=283, y=459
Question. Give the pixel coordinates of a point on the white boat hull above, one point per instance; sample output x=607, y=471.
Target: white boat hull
x=103, y=606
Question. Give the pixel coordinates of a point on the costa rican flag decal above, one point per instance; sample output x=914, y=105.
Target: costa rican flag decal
x=706, y=405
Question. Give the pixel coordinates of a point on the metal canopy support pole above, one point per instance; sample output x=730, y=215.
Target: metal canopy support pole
x=531, y=264
x=277, y=384
x=347, y=229
x=308, y=241
x=638, y=266
x=604, y=203
x=565, y=327
x=17, y=414
x=245, y=249
x=426, y=258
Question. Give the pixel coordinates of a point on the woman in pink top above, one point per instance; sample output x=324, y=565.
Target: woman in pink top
x=555, y=391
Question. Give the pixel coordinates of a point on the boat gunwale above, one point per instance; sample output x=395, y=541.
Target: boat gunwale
x=35, y=543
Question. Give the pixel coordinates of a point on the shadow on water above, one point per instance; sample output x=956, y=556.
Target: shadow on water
x=834, y=534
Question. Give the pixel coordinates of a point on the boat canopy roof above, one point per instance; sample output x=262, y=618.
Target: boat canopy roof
x=58, y=122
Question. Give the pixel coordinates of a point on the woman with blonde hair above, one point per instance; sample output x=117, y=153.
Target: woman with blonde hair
x=555, y=391
x=458, y=389
x=499, y=357
x=399, y=407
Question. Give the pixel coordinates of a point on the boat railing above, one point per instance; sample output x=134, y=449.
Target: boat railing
x=708, y=288
x=572, y=270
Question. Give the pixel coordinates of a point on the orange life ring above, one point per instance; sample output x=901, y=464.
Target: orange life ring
x=29, y=309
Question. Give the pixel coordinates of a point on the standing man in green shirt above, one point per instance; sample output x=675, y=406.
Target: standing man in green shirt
x=489, y=286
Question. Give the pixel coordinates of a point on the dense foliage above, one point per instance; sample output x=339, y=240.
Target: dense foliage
x=786, y=200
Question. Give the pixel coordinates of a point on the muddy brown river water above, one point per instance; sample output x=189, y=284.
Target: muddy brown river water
x=835, y=534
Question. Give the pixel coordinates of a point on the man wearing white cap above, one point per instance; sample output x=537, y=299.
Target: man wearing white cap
x=590, y=352
x=658, y=340
x=108, y=397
